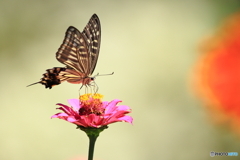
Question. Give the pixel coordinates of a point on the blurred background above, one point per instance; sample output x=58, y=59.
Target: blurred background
x=152, y=46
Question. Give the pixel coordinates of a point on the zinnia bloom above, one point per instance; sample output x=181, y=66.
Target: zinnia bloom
x=217, y=76
x=90, y=111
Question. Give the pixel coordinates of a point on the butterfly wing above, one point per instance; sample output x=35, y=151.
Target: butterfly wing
x=80, y=50
x=92, y=33
x=74, y=51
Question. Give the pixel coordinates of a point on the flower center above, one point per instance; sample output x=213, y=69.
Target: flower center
x=91, y=104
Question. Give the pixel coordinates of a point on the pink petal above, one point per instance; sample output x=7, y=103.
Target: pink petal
x=91, y=119
x=65, y=108
x=71, y=119
x=114, y=102
x=86, y=120
x=122, y=107
x=69, y=111
x=59, y=115
x=126, y=118
x=111, y=107
x=75, y=103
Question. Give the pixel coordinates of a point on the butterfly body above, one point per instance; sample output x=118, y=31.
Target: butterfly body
x=79, y=52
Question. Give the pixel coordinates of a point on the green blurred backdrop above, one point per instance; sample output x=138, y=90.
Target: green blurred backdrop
x=150, y=45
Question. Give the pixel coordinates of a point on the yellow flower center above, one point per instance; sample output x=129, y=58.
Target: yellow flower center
x=91, y=104
x=89, y=95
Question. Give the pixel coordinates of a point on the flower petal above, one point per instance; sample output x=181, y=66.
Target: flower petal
x=71, y=119
x=59, y=115
x=67, y=110
x=112, y=106
x=75, y=103
x=122, y=107
x=126, y=118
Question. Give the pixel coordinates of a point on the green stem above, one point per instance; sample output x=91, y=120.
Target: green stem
x=92, y=140
x=92, y=134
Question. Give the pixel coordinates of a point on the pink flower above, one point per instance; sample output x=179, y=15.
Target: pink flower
x=91, y=112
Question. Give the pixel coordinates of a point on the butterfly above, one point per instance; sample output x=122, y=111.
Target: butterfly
x=79, y=52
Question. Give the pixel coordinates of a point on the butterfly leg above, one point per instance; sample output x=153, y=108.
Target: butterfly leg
x=94, y=87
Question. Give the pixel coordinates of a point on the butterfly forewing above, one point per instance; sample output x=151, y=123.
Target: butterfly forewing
x=92, y=32
x=79, y=52
x=74, y=50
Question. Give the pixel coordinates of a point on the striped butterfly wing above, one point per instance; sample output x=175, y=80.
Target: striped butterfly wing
x=79, y=52
x=92, y=32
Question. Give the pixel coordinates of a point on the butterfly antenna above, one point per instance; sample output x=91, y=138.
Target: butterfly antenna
x=33, y=84
x=104, y=74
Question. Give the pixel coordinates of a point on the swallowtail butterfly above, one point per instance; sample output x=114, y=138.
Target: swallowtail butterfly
x=79, y=52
